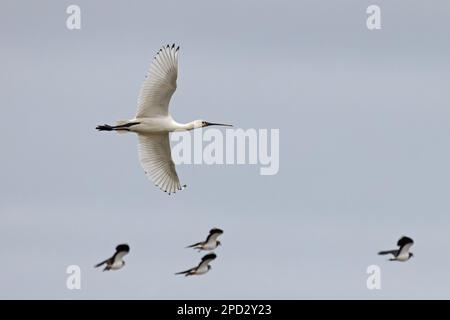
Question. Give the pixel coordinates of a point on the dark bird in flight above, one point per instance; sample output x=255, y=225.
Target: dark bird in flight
x=210, y=243
x=116, y=261
x=202, y=268
x=402, y=253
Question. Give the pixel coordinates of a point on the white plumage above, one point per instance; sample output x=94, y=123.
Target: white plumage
x=159, y=85
x=155, y=158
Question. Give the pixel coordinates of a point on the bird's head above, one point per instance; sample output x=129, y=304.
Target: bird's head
x=204, y=123
x=209, y=267
x=219, y=243
x=411, y=255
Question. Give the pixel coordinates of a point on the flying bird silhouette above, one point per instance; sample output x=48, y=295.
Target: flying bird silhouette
x=116, y=261
x=153, y=121
x=210, y=243
x=202, y=268
x=402, y=253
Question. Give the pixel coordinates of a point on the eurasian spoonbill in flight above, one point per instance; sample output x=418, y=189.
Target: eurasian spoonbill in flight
x=153, y=121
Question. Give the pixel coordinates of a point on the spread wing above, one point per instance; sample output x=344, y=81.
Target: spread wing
x=119, y=255
x=213, y=235
x=121, y=251
x=404, y=240
x=155, y=158
x=405, y=243
x=405, y=249
x=206, y=260
x=159, y=85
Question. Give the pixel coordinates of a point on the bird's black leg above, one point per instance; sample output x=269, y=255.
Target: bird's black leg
x=105, y=127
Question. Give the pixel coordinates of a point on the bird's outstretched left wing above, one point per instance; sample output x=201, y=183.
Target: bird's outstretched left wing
x=159, y=85
x=156, y=159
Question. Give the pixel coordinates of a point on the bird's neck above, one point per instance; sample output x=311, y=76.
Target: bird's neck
x=185, y=126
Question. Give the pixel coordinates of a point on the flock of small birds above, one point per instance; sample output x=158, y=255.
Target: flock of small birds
x=116, y=262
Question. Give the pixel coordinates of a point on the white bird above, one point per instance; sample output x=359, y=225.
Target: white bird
x=116, y=261
x=202, y=268
x=211, y=241
x=153, y=121
x=402, y=254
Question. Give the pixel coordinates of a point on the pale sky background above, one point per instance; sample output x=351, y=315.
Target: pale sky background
x=364, y=119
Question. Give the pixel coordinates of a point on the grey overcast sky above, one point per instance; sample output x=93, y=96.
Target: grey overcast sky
x=364, y=149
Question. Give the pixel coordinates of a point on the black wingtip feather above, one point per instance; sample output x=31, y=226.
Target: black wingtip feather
x=209, y=256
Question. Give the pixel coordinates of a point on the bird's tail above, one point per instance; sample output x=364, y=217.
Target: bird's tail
x=101, y=263
x=186, y=273
x=194, y=245
x=182, y=272
x=382, y=253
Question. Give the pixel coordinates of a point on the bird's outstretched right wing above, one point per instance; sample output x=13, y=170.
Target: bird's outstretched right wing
x=123, y=247
x=207, y=259
x=119, y=255
x=405, y=248
x=404, y=241
x=159, y=85
x=405, y=244
x=156, y=159
x=121, y=251
x=214, y=234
